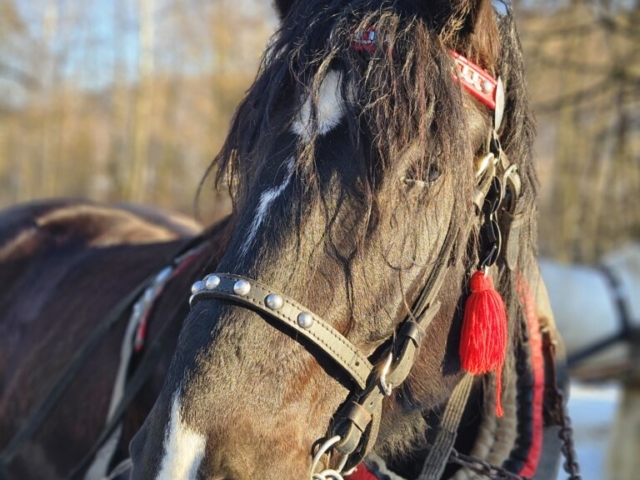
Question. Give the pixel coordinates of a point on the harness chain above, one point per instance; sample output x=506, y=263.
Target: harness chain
x=566, y=435
x=494, y=472
x=559, y=412
x=482, y=467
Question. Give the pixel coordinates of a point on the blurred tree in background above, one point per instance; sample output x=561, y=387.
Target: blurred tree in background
x=583, y=62
x=122, y=100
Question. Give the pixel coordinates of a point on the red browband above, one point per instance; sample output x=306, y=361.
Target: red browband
x=476, y=80
x=473, y=78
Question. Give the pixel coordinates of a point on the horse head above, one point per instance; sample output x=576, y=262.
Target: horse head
x=353, y=164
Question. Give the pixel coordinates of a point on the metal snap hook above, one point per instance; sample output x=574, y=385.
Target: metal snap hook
x=386, y=388
x=328, y=474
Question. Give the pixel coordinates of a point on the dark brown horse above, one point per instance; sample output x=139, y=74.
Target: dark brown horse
x=353, y=166
x=64, y=265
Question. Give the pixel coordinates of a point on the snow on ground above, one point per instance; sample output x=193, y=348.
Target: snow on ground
x=592, y=409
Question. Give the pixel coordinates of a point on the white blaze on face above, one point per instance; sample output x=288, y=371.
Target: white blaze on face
x=266, y=199
x=183, y=448
x=330, y=108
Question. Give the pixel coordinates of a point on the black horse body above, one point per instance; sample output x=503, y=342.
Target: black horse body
x=345, y=211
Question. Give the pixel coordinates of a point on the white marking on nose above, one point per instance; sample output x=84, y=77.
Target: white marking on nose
x=266, y=200
x=330, y=108
x=183, y=448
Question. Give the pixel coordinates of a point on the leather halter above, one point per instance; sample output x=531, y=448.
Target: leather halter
x=357, y=421
x=354, y=428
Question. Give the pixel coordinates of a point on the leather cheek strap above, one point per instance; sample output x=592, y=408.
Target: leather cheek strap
x=360, y=417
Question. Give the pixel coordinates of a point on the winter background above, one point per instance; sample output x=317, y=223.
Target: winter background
x=592, y=409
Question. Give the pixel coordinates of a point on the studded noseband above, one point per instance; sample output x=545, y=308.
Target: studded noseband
x=256, y=296
x=355, y=426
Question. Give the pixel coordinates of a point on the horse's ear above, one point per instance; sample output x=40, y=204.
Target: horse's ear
x=283, y=7
x=473, y=31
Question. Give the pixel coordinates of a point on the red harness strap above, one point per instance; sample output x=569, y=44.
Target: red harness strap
x=537, y=365
x=473, y=78
x=476, y=80
x=181, y=264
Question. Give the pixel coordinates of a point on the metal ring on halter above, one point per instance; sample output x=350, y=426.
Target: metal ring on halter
x=386, y=388
x=329, y=473
x=488, y=262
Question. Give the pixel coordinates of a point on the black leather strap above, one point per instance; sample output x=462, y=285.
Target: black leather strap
x=440, y=452
x=370, y=401
x=147, y=366
x=356, y=442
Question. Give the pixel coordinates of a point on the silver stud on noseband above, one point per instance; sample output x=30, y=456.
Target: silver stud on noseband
x=241, y=287
x=305, y=320
x=212, y=282
x=274, y=301
x=197, y=287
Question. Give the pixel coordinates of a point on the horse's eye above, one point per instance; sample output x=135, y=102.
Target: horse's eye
x=434, y=173
x=423, y=180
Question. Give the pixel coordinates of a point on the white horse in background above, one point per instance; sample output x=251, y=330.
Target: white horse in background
x=597, y=310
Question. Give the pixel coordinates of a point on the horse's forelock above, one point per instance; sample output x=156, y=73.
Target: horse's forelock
x=401, y=94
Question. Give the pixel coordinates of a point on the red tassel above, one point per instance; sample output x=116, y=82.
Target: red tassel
x=483, y=346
